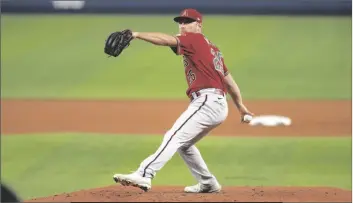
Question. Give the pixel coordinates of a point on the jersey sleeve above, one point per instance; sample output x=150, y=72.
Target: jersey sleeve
x=225, y=68
x=185, y=44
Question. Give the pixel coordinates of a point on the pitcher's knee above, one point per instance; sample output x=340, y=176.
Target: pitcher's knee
x=182, y=149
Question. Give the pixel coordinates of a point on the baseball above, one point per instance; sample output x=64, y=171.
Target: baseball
x=247, y=118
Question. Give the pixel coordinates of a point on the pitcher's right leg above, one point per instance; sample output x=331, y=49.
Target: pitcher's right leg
x=192, y=156
x=207, y=182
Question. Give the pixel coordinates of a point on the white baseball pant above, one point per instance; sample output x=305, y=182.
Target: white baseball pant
x=202, y=115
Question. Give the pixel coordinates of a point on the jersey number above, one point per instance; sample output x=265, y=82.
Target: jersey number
x=217, y=61
x=191, y=76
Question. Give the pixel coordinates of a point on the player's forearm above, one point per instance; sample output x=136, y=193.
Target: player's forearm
x=234, y=91
x=156, y=38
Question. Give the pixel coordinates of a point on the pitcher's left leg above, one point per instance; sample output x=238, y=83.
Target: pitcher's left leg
x=192, y=123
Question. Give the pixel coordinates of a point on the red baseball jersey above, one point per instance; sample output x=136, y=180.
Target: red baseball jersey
x=203, y=62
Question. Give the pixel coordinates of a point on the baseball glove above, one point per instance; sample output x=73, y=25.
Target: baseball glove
x=117, y=42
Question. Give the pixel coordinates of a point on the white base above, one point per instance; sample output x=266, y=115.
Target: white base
x=270, y=120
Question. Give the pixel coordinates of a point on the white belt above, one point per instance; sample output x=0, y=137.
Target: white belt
x=198, y=93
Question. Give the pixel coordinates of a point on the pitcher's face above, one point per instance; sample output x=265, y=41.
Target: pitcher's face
x=189, y=25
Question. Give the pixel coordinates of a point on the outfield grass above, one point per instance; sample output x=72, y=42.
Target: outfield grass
x=271, y=57
x=41, y=165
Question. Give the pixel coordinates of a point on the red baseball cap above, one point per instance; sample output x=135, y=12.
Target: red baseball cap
x=190, y=14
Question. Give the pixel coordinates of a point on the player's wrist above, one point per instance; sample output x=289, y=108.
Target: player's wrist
x=135, y=34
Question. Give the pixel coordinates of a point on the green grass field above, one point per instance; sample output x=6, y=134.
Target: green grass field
x=270, y=57
x=65, y=163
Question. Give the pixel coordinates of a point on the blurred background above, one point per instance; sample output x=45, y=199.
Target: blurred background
x=283, y=50
x=306, y=43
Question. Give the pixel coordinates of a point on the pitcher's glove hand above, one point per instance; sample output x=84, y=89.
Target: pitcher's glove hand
x=117, y=42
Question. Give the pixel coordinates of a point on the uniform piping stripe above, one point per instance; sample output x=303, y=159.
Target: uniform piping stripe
x=144, y=171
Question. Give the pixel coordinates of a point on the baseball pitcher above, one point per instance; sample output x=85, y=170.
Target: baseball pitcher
x=208, y=83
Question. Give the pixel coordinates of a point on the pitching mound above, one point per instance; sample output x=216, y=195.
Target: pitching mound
x=119, y=193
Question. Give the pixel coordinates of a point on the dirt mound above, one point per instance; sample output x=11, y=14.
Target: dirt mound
x=309, y=118
x=229, y=194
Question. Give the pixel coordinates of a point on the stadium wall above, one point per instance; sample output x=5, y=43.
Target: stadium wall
x=241, y=7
